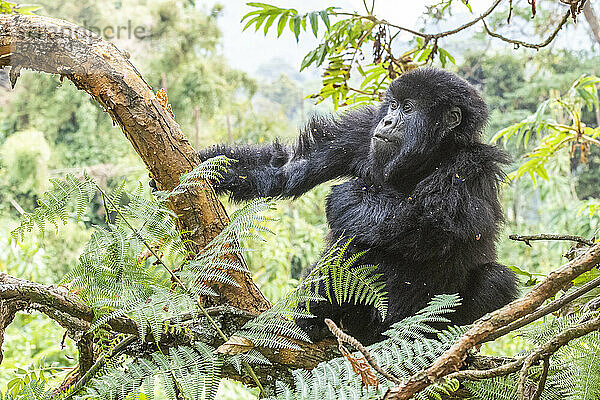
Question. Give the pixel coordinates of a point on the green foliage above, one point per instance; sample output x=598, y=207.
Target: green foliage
x=190, y=66
x=574, y=370
x=346, y=282
x=112, y=275
x=28, y=389
x=344, y=45
x=499, y=388
x=33, y=346
x=116, y=280
x=554, y=135
x=294, y=247
x=54, y=205
x=24, y=157
x=406, y=352
x=194, y=371
x=267, y=14
x=78, y=131
x=340, y=279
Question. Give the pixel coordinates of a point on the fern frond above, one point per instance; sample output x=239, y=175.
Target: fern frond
x=403, y=356
x=342, y=281
x=420, y=324
x=194, y=370
x=251, y=357
x=262, y=338
x=545, y=329
x=346, y=282
x=70, y=195
x=273, y=327
x=34, y=389
x=211, y=170
x=498, y=388
x=582, y=378
x=245, y=223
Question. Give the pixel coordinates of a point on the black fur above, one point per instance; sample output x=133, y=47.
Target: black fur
x=425, y=202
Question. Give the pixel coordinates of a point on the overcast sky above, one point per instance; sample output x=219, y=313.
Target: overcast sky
x=250, y=50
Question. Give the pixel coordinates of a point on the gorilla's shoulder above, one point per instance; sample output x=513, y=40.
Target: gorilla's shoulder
x=481, y=161
x=475, y=163
x=484, y=155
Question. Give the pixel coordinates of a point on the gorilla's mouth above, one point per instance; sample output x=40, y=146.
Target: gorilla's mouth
x=386, y=139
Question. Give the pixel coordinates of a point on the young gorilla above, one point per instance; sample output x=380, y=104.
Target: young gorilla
x=422, y=197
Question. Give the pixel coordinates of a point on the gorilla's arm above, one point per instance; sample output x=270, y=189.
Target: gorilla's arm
x=327, y=148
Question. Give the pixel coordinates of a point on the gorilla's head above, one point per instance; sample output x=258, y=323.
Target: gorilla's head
x=427, y=115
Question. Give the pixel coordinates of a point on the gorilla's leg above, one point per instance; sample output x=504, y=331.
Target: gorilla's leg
x=491, y=286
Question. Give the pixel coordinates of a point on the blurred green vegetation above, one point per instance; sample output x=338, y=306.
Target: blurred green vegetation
x=48, y=127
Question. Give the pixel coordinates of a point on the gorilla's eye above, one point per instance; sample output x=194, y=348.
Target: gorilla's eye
x=407, y=106
x=393, y=104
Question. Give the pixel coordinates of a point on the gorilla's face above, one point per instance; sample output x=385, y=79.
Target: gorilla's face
x=415, y=126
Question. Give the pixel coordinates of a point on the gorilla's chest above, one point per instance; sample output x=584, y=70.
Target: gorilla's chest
x=357, y=204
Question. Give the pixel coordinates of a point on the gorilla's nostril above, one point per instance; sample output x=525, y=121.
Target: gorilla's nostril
x=387, y=122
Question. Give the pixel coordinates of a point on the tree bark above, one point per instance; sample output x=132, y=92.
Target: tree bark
x=99, y=68
x=592, y=20
x=20, y=295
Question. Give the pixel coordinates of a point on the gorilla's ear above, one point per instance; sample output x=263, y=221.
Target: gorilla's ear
x=452, y=118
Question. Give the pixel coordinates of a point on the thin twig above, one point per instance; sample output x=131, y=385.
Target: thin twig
x=470, y=23
x=478, y=374
x=524, y=374
x=537, y=46
x=422, y=34
x=542, y=382
x=343, y=337
x=549, y=236
x=553, y=306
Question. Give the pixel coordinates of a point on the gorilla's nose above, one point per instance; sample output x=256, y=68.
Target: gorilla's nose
x=388, y=122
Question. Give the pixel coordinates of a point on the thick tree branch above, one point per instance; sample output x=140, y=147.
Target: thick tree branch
x=99, y=68
x=18, y=295
x=547, y=309
x=453, y=358
x=539, y=353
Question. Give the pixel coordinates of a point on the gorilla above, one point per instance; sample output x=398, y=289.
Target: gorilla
x=421, y=194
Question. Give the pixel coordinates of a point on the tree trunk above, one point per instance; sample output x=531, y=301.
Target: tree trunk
x=99, y=68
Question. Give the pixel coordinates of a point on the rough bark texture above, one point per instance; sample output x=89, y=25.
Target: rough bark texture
x=98, y=67
x=7, y=314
